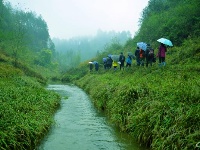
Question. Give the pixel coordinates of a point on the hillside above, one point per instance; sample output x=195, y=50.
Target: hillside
x=159, y=106
x=26, y=106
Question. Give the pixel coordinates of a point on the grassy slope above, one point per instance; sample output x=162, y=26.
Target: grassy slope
x=26, y=106
x=159, y=106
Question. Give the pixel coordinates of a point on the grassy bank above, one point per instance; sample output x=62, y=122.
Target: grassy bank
x=26, y=108
x=160, y=107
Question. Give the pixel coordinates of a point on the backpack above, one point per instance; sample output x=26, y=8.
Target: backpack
x=141, y=53
x=128, y=60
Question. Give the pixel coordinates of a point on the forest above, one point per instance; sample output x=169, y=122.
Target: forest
x=25, y=34
x=73, y=51
x=159, y=106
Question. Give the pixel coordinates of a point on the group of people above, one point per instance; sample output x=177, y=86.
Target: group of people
x=143, y=58
x=96, y=65
x=146, y=56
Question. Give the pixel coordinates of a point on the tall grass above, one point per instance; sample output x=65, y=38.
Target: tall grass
x=26, y=109
x=159, y=106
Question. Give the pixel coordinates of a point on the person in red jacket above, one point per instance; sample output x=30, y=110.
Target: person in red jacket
x=161, y=54
x=142, y=57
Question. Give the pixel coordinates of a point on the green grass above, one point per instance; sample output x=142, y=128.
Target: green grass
x=26, y=108
x=159, y=106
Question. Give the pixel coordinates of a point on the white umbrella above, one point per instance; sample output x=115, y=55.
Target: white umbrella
x=115, y=57
x=165, y=41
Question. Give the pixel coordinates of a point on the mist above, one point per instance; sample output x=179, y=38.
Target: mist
x=74, y=18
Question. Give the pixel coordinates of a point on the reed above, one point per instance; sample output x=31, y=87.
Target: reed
x=26, y=109
x=159, y=106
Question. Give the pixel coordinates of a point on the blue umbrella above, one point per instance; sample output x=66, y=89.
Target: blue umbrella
x=142, y=45
x=95, y=62
x=104, y=59
x=165, y=41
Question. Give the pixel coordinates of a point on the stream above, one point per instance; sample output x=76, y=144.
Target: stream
x=79, y=126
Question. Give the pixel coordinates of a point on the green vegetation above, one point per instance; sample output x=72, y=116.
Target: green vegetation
x=25, y=38
x=163, y=115
x=26, y=64
x=159, y=106
x=78, y=49
x=26, y=106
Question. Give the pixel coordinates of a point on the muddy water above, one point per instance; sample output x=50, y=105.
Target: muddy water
x=78, y=126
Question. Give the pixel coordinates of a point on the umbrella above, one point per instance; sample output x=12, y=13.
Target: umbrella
x=142, y=45
x=90, y=62
x=165, y=41
x=109, y=55
x=95, y=62
x=104, y=59
x=131, y=54
x=115, y=57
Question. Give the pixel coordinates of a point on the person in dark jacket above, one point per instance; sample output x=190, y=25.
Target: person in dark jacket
x=96, y=65
x=109, y=62
x=121, y=60
x=91, y=66
x=147, y=54
x=137, y=56
x=150, y=57
x=105, y=63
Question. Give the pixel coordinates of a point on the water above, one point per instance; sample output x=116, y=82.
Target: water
x=80, y=127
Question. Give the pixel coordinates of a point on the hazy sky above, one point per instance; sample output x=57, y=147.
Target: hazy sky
x=72, y=18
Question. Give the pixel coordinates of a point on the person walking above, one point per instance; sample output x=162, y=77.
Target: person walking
x=142, y=57
x=128, y=61
x=91, y=66
x=147, y=54
x=109, y=62
x=150, y=58
x=161, y=54
x=115, y=64
x=137, y=56
x=105, y=63
x=96, y=65
x=121, y=60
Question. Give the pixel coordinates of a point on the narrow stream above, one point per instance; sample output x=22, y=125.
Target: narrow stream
x=79, y=126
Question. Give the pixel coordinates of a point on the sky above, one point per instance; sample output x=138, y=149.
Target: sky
x=72, y=18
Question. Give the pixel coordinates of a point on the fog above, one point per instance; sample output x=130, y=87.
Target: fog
x=72, y=18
